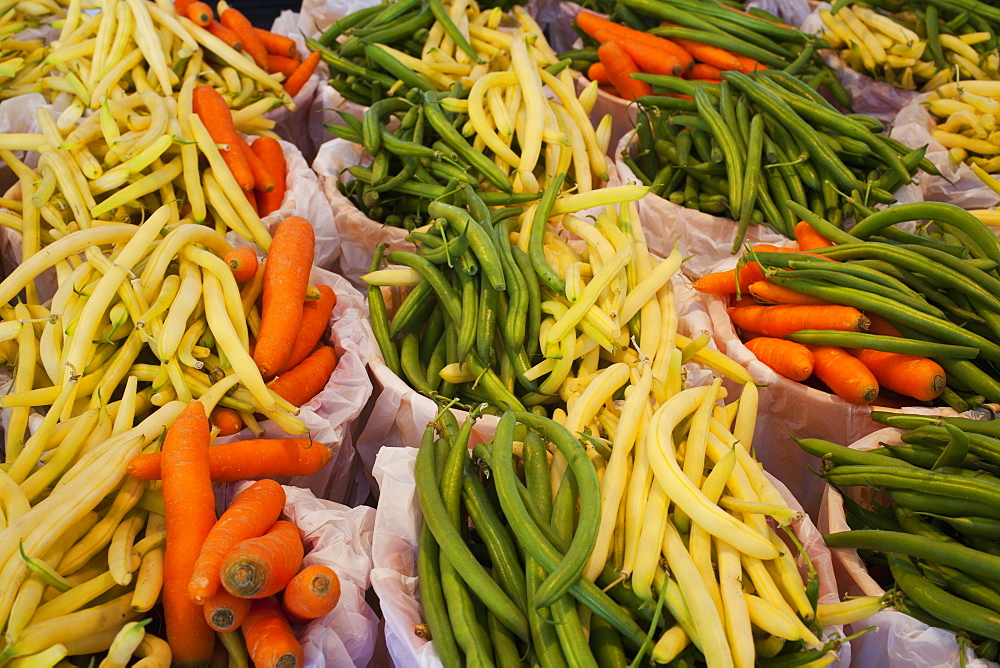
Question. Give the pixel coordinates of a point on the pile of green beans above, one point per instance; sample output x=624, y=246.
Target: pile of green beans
x=751, y=146
x=425, y=158
x=939, y=285
x=480, y=304
x=504, y=588
x=936, y=525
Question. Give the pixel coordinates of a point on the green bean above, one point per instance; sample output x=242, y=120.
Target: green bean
x=371, y=137
x=751, y=180
x=606, y=644
x=342, y=25
x=411, y=306
x=970, y=375
x=983, y=446
x=545, y=642
x=868, y=518
x=536, y=240
x=469, y=318
x=505, y=650
x=907, y=421
x=488, y=381
x=379, y=318
x=943, y=505
x=889, y=344
x=902, y=478
x=730, y=148
x=449, y=135
x=410, y=363
x=445, y=293
x=534, y=315
x=486, y=324
x=841, y=455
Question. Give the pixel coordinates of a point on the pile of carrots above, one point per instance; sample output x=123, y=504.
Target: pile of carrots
x=624, y=52
x=226, y=574
x=773, y=312
x=294, y=318
x=276, y=54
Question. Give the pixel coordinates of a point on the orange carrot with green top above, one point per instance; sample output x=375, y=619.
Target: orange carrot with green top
x=269, y=638
x=917, y=377
x=225, y=612
x=245, y=460
x=808, y=238
x=269, y=151
x=240, y=24
x=311, y=594
x=297, y=79
x=782, y=319
x=767, y=292
x=315, y=322
x=261, y=566
x=846, y=375
x=250, y=515
x=790, y=359
x=286, y=278
x=189, y=506
x=243, y=261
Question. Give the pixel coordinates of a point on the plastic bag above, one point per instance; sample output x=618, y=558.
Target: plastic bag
x=913, y=126
x=331, y=413
x=341, y=538
x=394, y=558
x=900, y=641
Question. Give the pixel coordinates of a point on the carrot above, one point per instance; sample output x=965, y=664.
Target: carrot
x=649, y=58
x=250, y=515
x=315, y=321
x=879, y=325
x=226, y=420
x=286, y=277
x=749, y=65
x=847, y=376
x=269, y=638
x=592, y=23
x=727, y=282
x=297, y=79
x=710, y=55
x=312, y=593
x=771, y=293
x=225, y=34
x=269, y=151
x=808, y=238
x=768, y=248
x=200, y=13
x=263, y=180
x=703, y=71
x=190, y=515
x=213, y=110
x=243, y=261
x=261, y=566
x=790, y=359
x=596, y=73
x=180, y=6
x=251, y=196
x=236, y=21
x=782, y=319
x=252, y=458
x=620, y=67
x=225, y=612
x=279, y=45
x=304, y=381
x=917, y=377
x=281, y=65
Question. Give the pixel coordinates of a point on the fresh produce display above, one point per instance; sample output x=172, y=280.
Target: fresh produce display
x=967, y=125
x=755, y=144
x=916, y=45
x=989, y=217
x=923, y=512
x=923, y=295
x=694, y=40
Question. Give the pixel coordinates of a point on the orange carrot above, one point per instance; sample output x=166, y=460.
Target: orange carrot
x=808, y=238
x=225, y=612
x=315, y=321
x=790, y=359
x=251, y=196
x=304, y=381
x=281, y=65
x=847, y=376
x=279, y=45
x=748, y=65
x=703, y=71
x=297, y=79
x=286, y=278
x=269, y=151
x=913, y=376
x=243, y=261
x=250, y=515
x=879, y=325
x=596, y=73
x=190, y=514
x=269, y=638
x=711, y=55
x=226, y=35
x=727, y=282
x=200, y=13
x=261, y=566
x=591, y=23
x=180, y=6
x=312, y=593
x=252, y=458
x=648, y=58
x=235, y=20
x=782, y=319
x=263, y=180
x=771, y=293
x=226, y=420
x=620, y=67
x=213, y=110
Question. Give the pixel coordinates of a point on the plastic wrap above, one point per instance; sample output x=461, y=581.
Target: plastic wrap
x=341, y=538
